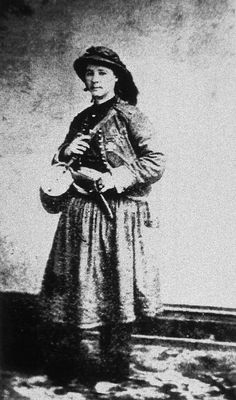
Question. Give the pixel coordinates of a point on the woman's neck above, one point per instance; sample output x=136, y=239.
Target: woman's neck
x=104, y=99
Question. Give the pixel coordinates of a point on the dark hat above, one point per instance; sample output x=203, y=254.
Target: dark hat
x=125, y=88
x=99, y=55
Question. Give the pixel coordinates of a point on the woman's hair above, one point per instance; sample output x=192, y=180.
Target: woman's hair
x=125, y=87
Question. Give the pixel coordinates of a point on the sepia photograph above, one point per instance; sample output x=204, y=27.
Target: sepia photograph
x=118, y=199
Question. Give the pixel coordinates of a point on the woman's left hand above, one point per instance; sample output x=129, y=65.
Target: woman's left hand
x=105, y=182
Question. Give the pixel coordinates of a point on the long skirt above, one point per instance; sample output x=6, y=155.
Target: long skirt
x=102, y=271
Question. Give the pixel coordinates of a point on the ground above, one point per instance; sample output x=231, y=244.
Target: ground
x=157, y=372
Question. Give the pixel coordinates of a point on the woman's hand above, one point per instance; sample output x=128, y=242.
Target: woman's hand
x=91, y=173
x=85, y=174
x=78, y=146
x=105, y=182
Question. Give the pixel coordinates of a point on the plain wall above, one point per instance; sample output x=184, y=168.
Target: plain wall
x=182, y=56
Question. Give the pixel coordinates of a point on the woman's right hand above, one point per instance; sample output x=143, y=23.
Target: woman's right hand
x=78, y=146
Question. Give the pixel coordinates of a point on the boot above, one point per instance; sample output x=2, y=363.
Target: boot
x=60, y=344
x=115, y=352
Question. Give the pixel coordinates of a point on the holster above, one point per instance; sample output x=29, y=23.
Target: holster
x=90, y=186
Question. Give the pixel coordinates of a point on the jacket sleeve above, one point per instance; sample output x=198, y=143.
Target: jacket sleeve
x=149, y=164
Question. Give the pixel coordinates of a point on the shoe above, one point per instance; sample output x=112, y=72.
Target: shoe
x=61, y=390
x=105, y=387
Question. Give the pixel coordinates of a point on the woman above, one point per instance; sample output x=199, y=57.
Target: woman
x=99, y=274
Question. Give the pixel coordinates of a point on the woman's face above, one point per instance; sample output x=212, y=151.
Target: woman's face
x=100, y=81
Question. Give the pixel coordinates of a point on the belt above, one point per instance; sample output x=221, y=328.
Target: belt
x=99, y=197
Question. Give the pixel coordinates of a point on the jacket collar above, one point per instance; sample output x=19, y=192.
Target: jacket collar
x=111, y=112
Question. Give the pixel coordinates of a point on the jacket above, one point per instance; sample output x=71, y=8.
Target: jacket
x=128, y=145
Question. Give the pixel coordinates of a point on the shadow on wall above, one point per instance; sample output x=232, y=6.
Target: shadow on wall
x=17, y=7
x=19, y=345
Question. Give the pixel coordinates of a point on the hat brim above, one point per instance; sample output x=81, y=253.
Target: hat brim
x=81, y=63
